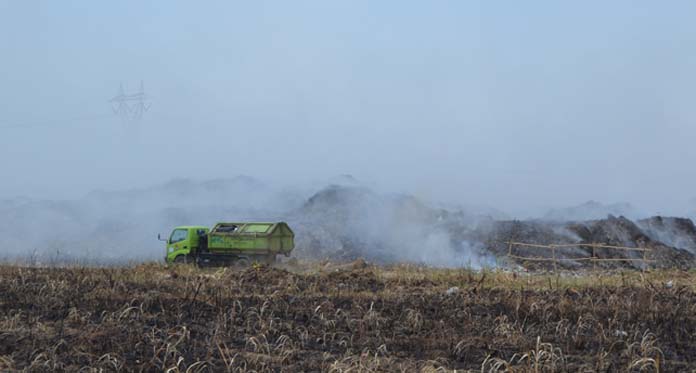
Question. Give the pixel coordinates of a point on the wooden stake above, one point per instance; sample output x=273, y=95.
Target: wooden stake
x=594, y=262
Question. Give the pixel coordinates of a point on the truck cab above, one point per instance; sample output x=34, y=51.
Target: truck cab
x=183, y=242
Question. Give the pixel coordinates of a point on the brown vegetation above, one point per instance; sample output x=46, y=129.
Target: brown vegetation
x=343, y=318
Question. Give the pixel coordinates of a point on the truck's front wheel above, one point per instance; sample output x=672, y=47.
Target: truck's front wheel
x=181, y=259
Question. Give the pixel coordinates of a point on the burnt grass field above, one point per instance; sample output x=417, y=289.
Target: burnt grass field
x=355, y=317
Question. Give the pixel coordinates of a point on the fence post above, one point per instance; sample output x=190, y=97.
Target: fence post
x=645, y=258
x=594, y=262
x=555, y=262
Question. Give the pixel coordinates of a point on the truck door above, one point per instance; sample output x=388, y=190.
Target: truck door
x=179, y=242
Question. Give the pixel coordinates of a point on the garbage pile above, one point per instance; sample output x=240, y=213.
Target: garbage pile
x=345, y=223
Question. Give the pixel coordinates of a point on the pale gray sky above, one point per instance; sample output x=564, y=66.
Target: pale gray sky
x=516, y=105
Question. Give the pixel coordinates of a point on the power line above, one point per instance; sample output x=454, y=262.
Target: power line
x=128, y=107
x=53, y=122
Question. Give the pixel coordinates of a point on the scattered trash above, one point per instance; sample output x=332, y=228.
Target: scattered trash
x=452, y=290
x=620, y=333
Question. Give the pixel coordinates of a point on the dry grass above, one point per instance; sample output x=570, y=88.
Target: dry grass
x=348, y=318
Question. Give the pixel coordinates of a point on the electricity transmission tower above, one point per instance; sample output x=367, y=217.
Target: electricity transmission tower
x=130, y=107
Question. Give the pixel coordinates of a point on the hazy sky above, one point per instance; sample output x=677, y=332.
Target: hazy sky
x=517, y=105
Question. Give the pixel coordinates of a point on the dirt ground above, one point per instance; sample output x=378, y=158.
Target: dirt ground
x=340, y=318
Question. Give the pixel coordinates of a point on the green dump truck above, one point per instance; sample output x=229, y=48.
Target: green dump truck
x=228, y=243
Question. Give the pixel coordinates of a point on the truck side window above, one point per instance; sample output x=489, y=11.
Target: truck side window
x=178, y=235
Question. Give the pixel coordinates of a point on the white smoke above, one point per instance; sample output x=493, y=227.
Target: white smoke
x=339, y=222
x=349, y=222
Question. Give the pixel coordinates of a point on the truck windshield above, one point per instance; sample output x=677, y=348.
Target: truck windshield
x=178, y=235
